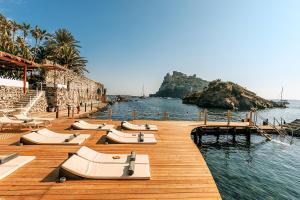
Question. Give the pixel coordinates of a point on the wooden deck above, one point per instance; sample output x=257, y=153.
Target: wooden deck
x=178, y=170
x=233, y=125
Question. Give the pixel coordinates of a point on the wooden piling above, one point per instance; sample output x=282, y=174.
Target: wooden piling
x=109, y=114
x=250, y=119
x=72, y=111
x=84, y=107
x=57, y=112
x=228, y=117
x=134, y=115
x=233, y=134
x=218, y=131
x=166, y=114
x=248, y=134
x=205, y=116
x=69, y=107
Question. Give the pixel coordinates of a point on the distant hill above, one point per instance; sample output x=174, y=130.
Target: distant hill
x=228, y=95
x=178, y=85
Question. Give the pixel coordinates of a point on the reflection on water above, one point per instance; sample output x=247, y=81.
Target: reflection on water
x=259, y=170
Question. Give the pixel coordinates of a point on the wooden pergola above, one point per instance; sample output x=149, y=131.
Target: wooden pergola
x=16, y=61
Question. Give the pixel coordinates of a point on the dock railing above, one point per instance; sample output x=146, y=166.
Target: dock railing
x=201, y=116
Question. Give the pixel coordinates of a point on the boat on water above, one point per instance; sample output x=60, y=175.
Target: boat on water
x=283, y=102
x=143, y=96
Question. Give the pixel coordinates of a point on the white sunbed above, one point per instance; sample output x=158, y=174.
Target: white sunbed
x=130, y=135
x=77, y=167
x=4, y=120
x=135, y=127
x=83, y=125
x=98, y=157
x=48, y=133
x=13, y=164
x=46, y=136
x=129, y=140
x=26, y=118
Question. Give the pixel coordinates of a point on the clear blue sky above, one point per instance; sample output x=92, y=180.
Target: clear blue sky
x=129, y=43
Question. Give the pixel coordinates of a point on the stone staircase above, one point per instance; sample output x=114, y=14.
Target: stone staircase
x=26, y=103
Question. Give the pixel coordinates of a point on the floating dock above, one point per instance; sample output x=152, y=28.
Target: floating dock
x=178, y=170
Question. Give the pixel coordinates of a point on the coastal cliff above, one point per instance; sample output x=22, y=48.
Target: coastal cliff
x=178, y=85
x=228, y=95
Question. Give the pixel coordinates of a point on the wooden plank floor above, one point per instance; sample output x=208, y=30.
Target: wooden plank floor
x=178, y=170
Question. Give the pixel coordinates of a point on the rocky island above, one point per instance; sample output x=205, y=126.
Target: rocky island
x=178, y=85
x=228, y=95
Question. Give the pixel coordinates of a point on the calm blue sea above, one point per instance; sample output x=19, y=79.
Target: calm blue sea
x=259, y=170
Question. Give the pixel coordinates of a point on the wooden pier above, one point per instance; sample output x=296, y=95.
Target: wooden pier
x=178, y=170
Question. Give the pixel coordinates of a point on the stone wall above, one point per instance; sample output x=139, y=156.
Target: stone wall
x=9, y=96
x=41, y=104
x=66, y=87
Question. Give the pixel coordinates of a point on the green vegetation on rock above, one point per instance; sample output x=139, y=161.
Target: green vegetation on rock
x=178, y=85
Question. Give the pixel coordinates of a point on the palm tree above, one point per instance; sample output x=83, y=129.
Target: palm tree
x=64, y=50
x=15, y=27
x=25, y=28
x=61, y=47
x=39, y=35
x=72, y=60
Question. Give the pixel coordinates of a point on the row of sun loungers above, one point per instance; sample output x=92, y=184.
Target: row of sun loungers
x=87, y=163
x=47, y=137
x=82, y=125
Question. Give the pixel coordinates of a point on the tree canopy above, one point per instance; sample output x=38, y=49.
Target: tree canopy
x=36, y=44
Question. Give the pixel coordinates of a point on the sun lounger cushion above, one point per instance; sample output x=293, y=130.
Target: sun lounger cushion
x=135, y=127
x=95, y=156
x=12, y=165
x=83, y=125
x=129, y=140
x=26, y=118
x=135, y=135
x=92, y=170
x=6, y=120
x=48, y=133
x=36, y=138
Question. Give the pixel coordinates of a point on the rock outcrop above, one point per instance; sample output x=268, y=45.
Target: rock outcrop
x=228, y=95
x=179, y=85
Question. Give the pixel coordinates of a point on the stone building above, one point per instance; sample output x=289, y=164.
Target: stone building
x=58, y=86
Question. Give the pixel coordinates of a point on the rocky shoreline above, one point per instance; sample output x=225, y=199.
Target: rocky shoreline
x=229, y=95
